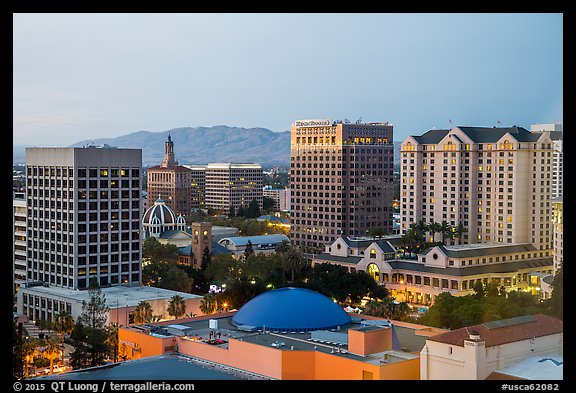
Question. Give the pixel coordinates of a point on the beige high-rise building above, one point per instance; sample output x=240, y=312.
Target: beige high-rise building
x=232, y=184
x=341, y=180
x=557, y=136
x=497, y=182
x=558, y=223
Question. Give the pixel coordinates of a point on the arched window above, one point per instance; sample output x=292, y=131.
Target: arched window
x=374, y=271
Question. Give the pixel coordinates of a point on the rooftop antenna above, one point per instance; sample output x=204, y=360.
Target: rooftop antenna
x=450, y=121
x=359, y=120
x=498, y=123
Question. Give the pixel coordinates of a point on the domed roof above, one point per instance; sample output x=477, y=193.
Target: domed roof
x=293, y=310
x=162, y=212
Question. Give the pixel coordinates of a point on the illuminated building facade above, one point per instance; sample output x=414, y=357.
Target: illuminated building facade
x=341, y=180
x=170, y=182
x=232, y=185
x=496, y=182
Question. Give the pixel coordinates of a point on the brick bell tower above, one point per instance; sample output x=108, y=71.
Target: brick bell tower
x=201, y=238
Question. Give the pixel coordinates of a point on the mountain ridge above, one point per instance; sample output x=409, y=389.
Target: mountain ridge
x=202, y=145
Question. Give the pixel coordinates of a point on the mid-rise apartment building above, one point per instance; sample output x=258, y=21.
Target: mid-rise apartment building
x=341, y=180
x=497, y=182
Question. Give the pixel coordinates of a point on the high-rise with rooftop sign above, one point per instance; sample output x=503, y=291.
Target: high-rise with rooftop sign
x=341, y=180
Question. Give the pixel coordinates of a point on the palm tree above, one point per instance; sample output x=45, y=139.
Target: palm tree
x=408, y=240
x=446, y=231
x=209, y=304
x=63, y=324
x=293, y=260
x=176, y=306
x=459, y=231
x=283, y=246
x=143, y=312
x=51, y=351
x=30, y=351
x=434, y=228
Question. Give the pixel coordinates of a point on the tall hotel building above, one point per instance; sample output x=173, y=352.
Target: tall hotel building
x=232, y=184
x=170, y=182
x=341, y=180
x=557, y=156
x=84, y=216
x=497, y=182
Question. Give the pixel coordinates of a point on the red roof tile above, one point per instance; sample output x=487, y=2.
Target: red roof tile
x=542, y=326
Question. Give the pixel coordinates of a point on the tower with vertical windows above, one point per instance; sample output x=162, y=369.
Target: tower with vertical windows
x=341, y=181
x=496, y=182
x=83, y=207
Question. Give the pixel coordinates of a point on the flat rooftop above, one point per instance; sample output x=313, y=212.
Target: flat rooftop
x=118, y=296
x=540, y=367
x=410, y=342
x=161, y=367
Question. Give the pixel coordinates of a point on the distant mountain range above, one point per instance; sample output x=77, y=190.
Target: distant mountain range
x=202, y=145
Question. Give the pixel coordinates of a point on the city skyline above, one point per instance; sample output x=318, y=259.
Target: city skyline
x=155, y=72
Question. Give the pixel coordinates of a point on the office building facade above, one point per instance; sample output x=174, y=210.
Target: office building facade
x=232, y=185
x=20, y=238
x=341, y=180
x=83, y=207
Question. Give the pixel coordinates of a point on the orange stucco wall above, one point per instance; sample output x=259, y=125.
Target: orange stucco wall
x=283, y=364
x=144, y=345
x=365, y=343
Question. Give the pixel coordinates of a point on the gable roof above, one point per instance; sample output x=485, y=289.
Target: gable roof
x=481, y=249
x=511, y=330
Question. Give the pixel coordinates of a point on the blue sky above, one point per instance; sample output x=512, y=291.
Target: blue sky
x=86, y=76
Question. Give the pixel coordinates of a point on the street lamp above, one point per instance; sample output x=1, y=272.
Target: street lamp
x=405, y=289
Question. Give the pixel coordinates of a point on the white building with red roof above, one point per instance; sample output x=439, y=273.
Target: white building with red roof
x=479, y=351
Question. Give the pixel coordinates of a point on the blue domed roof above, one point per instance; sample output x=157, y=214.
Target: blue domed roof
x=291, y=309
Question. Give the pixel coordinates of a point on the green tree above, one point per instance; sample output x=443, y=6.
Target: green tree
x=283, y=246
x=18, y=357
x=241, y=211
x=556, y=302
x=294, y=261
x=206, y=257
x=63, y=324
x=158, y=252
x=223, y=268
x=143, y=312
x=176, y=306
x=479, y=291
x=376, y=233
x=232, y=212
x=268, y=203
x=434, y=228
x=446, y=231
x=51, y=350
x=249, y=250
x=459, y=232
x=208, y=304
x=253, y=210
x=89, y=337
x=113, y=341
x=176, y=279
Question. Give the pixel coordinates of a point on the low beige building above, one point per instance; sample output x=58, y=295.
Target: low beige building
x=481, y=351
x=454, y=269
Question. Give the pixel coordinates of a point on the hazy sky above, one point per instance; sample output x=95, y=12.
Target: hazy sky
x=85, y=76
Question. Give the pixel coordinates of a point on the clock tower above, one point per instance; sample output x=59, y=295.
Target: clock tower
x=201, y=238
